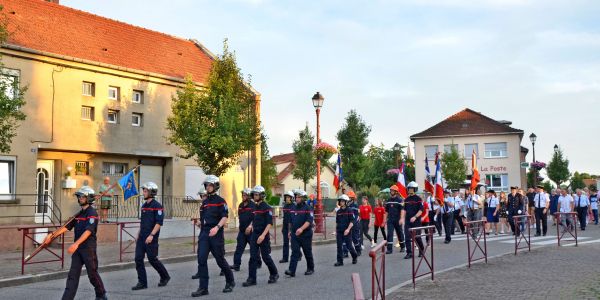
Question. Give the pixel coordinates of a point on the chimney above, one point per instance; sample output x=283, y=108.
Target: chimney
x=54, y=1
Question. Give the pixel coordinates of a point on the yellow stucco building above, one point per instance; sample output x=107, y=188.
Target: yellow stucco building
x=99, y=94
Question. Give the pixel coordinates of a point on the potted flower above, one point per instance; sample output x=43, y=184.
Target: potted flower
x=538, y=165
x=324, y=151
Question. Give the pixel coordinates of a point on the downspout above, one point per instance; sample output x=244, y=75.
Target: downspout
x=60, y=69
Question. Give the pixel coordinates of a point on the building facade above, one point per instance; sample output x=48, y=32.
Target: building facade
x=496, y=144
x=285, y=164
x=98, y=96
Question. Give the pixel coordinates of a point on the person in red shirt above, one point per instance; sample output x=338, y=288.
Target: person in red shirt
x=365, y=220
x=379, y=213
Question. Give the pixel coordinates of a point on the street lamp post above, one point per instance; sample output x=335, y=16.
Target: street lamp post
x=397, y=153
x=555, y=148
x=533, y=138
x=317, y=101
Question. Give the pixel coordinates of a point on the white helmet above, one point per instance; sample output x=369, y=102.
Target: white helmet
x=412, y=185
x=247, y=191
x=214, y=180
x=86, y=191
x=259, y=189
x=344, y=198
x=289, y=194
x=151, y=187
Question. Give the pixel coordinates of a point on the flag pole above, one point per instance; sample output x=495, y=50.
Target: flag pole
x=115, y=184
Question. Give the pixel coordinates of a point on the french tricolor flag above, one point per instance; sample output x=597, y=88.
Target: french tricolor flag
x=428, y=184
x=338, y=178
x=439, y=184
x=401, y=182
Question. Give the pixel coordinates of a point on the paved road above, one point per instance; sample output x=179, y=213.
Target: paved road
x=327, y=282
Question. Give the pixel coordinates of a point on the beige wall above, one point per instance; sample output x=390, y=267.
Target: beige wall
x=66, y=138
x=509, y=165
x=327, y=175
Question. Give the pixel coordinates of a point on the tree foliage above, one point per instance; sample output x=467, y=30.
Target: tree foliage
x=353, y=137
x=454, y=168
x=12, y=100
x=215, y=125
x=577, y=181
x=558, y=168
x=268, y=172
x=306, y=162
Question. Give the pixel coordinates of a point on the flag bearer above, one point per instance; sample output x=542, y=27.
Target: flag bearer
x=411, y=218
x=147, y=240
x=301, y=220
x=353, y=206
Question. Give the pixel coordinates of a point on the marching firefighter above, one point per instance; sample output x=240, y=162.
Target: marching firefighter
x=285, y=227
x=353, y=206
x=260, y=240
x=344, y=220
x=301, y=220
x=411, y=218
x=245, y=217
x=83, y=249
x=203, y=195
x=147, y=240
x=393, y=207
x=213, y=217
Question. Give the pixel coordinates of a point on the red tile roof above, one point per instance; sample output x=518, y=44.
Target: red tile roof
x=466, y=122
x=283, y=158
x=57, y=29
x=287, y=158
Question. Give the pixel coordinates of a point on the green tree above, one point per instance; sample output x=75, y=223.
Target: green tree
x=558, y=168
x=409, y=170
x=379, y=161
x=214, y=126
x=547, y=185
x=268, y=172
x=454, y=168
x=530, y=175
x=12, y=99
x=306, y=162
x=577, y=181
x=353, y=138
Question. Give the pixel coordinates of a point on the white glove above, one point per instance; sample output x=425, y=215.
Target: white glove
x=435, y=218
x=519, y=211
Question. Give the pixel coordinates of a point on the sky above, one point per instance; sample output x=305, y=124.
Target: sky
x=403, y=65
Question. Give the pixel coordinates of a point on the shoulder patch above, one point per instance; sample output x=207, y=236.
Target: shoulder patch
x=270, y=213
x=160, y=212
x=92, y=220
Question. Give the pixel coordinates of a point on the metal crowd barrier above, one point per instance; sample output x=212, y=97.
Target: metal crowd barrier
x=570, y=227
x=378, y=276
x=476, y=230
x=124, y=228
x=428, y=262
x=525, y=221
x=29, y=232
x=358, y=292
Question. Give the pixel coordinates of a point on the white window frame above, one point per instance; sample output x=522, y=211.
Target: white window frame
x=92, y=88
x=469, y=155
x=14, y=77
x=495, y=153
x=116, y=118
x=450, y=147
x=437, y=149
x=140, y=117
x=91, y=113
x=503, y=187
x=112, y=168
x=12, y=177
x=116, y=93
x=135, y=95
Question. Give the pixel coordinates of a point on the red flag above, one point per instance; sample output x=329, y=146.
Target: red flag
x=337, y=179
x=475, y=177
x=401, y=183
x=428, y=184
x=439, y=185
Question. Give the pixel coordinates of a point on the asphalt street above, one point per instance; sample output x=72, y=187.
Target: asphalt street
x=328, y=282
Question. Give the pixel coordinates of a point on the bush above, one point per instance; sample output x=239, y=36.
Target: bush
x=273, y=200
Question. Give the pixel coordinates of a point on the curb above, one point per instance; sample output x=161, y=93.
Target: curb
x=26, y=279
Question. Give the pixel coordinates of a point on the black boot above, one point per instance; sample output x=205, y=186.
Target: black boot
x=222, y=273
x=249, y=282
x=200, y=292
x=273, y=278
x=282, y=261
x=408, y=255
x=309, y=272
x=337, y=264
x=196, y=276
x=289, y=273
x=235, y=268
x=139, y=286
x=354, y=260
x=229, y=287
x=164, y=281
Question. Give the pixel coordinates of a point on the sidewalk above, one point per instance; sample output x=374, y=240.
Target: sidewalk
x=544, y=273
x=175, y=249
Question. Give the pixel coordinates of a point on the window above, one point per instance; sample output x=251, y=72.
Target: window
x=495, y=150
x=88, y=89
x=87, y=113
x=113, y=168
x=430, y=151
x=136, y=119
x=497, y=182
x=138, y=97
x=7, y=177
x=113, y=93
x=469, y=148
x=9, y=82
x=447, y=148
x=113, y=116
x=82, y=168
